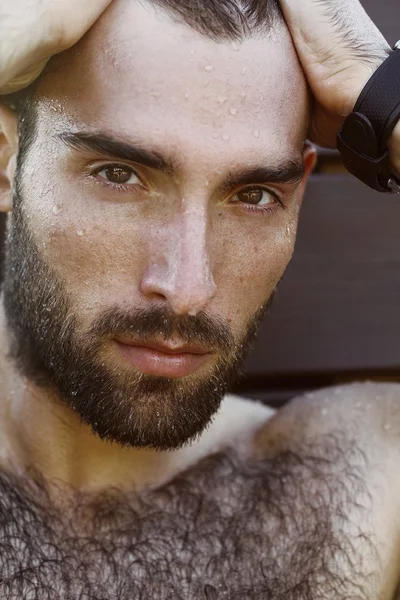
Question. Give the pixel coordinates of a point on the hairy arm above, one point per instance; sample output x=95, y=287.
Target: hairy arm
x=339, y=48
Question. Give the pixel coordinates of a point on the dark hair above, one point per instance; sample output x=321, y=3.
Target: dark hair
x=225, y=19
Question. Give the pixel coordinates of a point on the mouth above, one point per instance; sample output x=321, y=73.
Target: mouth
x=163, y=359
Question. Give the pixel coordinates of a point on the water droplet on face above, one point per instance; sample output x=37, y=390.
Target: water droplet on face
x=256, y=133
x=215, y=135
x=226, y=137
x=222, y=99
x=56, y=210
x=235, y=46
x=387, y=427
x=324, y=411
x=208, y=68
x=233, y=111
x=243, y=95
x=187, y=95
x=244, y=71
x=80, y=233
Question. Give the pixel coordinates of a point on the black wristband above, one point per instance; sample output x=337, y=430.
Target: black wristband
x=363, y=139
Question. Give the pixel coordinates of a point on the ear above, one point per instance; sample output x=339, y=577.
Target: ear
x=310, y=156
x=8, y=155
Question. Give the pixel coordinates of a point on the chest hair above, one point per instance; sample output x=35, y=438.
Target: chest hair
x=229, y=529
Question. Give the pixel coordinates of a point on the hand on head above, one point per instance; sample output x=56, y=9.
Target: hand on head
x=338, y=45
x=339, y=48
x=31, y=35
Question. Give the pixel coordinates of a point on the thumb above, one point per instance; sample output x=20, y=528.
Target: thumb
x=75, y=18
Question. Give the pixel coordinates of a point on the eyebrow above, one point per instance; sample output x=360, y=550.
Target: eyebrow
x=103, y=144
x=289, y=171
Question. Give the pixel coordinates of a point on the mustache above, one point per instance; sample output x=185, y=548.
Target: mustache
x=142, y=324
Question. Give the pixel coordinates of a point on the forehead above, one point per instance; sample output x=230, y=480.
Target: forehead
x=140, y=74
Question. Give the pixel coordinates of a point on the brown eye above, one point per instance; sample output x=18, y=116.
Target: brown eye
x=255, y=197
x=250, y=196
x=119, y=175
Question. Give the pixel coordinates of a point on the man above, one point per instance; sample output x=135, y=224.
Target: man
x=155, y=181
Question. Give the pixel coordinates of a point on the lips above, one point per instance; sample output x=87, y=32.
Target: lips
x=167, y=348
x=163, y=360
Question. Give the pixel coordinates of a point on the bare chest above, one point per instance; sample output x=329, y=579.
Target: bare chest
x=261, y=530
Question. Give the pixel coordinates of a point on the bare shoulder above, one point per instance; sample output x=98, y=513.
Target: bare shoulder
x=366, y=412
x=342, y=444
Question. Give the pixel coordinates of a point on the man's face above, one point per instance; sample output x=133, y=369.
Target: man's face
x=157, y=204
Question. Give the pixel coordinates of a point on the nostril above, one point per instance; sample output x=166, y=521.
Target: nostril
x=158, y=296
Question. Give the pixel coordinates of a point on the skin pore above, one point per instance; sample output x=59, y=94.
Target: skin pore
x=181, y=246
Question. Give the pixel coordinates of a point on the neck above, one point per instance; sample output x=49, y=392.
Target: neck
x=40, y=433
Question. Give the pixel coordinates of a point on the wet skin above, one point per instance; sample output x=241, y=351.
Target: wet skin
x=182, y=234
x=180, y=193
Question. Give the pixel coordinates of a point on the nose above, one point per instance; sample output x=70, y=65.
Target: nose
x=180, y=270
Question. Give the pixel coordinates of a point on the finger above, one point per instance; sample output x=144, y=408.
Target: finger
x=32, y=42
x=24, y=79
x=76, y=17
x=324, y=127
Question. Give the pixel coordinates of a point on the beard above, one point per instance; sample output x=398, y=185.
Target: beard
x=120, y=404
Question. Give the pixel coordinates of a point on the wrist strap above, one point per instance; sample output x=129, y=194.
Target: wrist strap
x=363, y=139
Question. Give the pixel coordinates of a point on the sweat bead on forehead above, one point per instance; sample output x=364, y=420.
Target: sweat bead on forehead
x=146, y=75
x=209, y=108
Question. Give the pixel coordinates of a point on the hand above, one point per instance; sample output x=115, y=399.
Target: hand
x=31, y=32
x=339, y=48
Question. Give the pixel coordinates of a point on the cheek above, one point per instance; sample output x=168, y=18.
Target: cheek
x=253, y=265
x=101, y=250
x=97, y=259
